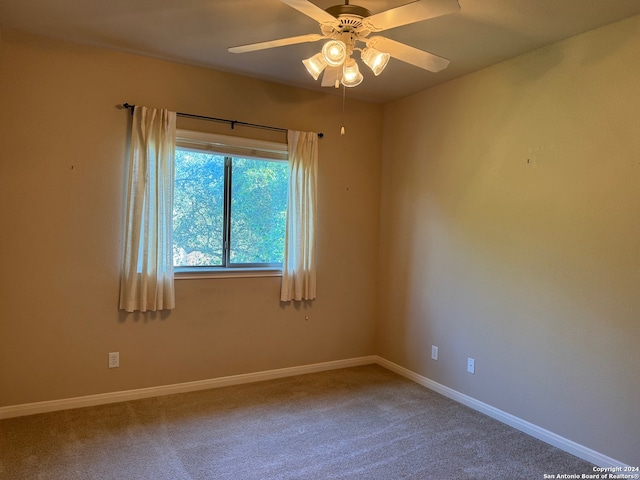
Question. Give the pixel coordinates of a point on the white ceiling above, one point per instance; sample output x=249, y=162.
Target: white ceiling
x=199, y=32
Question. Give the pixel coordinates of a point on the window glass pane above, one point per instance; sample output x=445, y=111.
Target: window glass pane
x=258, y=210
x=198, y=209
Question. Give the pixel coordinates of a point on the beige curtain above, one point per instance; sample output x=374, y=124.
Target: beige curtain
x=299, y=268
x=147, y=265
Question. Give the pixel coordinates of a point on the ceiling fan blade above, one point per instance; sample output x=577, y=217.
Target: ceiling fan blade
x=408, y=54
x=410, y=13
x=330, y=76
x=313, y=11
x=252, y=47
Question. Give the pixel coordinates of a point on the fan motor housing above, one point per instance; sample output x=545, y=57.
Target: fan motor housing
x=351, y=10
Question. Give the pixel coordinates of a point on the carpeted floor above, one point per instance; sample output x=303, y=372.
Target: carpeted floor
x=356, y=423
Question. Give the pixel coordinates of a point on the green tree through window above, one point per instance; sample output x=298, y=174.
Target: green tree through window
x=229, y=211
x=198, y=209
x=258, y=211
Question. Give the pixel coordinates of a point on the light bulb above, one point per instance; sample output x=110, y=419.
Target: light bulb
x=334, y=52
x=351, y=75
x=375, y=60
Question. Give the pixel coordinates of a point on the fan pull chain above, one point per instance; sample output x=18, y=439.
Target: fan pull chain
x=344, y=95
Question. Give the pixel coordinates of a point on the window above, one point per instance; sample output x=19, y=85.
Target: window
x=230, y=202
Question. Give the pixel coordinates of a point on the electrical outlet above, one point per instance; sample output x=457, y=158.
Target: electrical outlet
x=434, y=352
x=471, y=365
x=114, y=359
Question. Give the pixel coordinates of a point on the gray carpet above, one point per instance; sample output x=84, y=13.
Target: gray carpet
x=355, y=423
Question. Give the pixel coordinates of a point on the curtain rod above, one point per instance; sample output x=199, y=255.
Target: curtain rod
x=233, y=123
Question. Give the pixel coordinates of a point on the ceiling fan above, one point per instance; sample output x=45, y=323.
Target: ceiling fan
x=344, y=26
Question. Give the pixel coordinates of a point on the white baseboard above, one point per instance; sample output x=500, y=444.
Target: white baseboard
x=540, y=433
x=137, y=394
x=114, y=397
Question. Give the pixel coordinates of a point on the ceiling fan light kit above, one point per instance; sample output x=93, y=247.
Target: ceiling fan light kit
x=343, y=26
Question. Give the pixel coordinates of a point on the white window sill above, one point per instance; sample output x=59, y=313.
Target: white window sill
x=195, y=273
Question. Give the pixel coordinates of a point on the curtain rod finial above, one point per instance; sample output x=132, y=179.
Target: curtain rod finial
x=127, y=106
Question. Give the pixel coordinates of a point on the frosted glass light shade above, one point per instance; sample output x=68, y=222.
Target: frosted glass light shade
x=315, y=65
x=351, y=75
x=375, y=59
x=334, y=53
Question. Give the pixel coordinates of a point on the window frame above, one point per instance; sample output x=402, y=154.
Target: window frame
x=229, y=146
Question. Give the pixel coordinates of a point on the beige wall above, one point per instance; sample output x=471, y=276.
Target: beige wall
x=510, y=234
x=62, y=160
